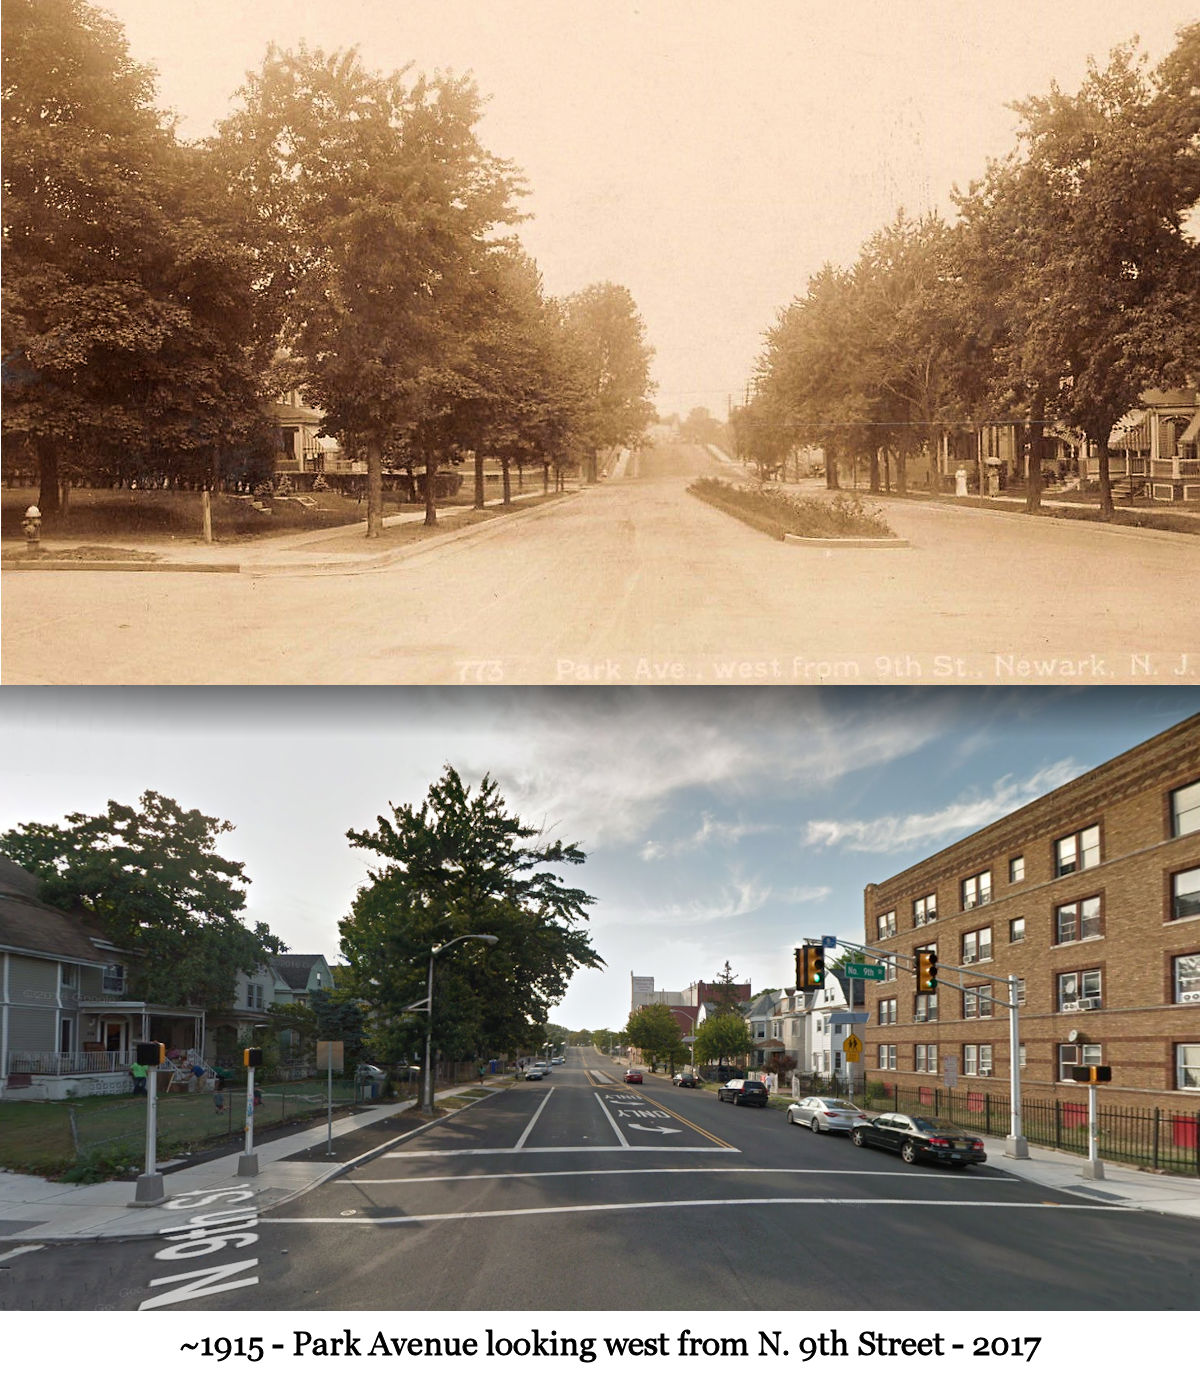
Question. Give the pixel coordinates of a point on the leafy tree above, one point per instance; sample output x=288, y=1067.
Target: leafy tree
x=339, y=1015
x=151, y=878
x=384, y=200
x=461, y=863
x=724, y=990
x=722, y=1038
x=608, y=342
x=656, y=1034
x=130, y=326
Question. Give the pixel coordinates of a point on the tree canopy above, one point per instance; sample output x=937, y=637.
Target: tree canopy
x=721, y=1038
x=656, y=1034
x=152, y=880
x=461, y=863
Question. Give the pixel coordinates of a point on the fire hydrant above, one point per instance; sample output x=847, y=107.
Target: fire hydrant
x=33, y=527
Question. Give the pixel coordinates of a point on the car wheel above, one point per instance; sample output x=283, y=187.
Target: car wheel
x=814, y=1125
x=789, y=1117
x=857, y=1138
x=909, y=1152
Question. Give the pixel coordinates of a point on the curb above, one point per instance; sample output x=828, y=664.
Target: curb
x=847, y=542
x=112, y=566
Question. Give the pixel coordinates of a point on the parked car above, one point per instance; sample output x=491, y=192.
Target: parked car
x=557, y=1060
x=920, y=1139
x=633, y=1076
x=826, y=1115
x=744, y=1091
x=685, y=1079
x=542, y=1065
x=534, y=1072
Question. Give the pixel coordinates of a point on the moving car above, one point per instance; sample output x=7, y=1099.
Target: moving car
x=920, y=1139
x=824, y=1115
x=633, y=1076
x=744, y=1091
x=685, y=1079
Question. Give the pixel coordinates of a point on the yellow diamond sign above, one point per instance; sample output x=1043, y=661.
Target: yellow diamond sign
x=852, y=1047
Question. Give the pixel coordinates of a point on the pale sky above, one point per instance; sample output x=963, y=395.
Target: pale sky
x=718, y=824
x=709, y=156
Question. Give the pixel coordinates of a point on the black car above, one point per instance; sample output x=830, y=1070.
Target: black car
x=920, y=1139
x=744, y=1091
x=686, y=1080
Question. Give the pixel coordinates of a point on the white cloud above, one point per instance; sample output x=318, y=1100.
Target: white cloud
x=805, y=894
x=897, y=833
x=733, y=900
x=710, y=831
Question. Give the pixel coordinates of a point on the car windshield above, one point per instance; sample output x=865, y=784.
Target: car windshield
x=840, y=1104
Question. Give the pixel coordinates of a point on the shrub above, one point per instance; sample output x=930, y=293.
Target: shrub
x=779, y=512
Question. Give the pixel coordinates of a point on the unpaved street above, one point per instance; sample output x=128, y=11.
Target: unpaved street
x=634, y=581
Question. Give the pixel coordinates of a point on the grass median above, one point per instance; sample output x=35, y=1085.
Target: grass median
x=778, y=513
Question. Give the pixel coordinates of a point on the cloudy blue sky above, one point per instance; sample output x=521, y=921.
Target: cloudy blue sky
x=719, y=824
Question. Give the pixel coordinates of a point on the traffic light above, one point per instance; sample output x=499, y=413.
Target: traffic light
x=810, y=967
x=251, y=1056
x=927, y=971
x=149, y=1052
x=1092, y=1074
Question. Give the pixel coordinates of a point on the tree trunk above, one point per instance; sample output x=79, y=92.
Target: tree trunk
x=520, y=475
x=1106, y=501
x=430, y=493
x=479, y=476
x=901, y=471
x=1033, y=487
x=48, y=482
x=545, y=478
x=935, y=461
x=887, y=469
x=873, y=471
x=594, y=466
x=831, y=467
x=507, y=481
x=374, y=489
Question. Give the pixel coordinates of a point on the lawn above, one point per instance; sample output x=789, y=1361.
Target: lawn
x=778, y=512
x=102, y=1135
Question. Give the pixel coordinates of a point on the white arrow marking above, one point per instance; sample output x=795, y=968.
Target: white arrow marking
x=642, y=1128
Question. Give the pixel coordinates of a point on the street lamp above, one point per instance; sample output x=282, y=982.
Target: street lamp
x=427, y=1089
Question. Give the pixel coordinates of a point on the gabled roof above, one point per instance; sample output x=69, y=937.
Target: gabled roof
x=27, y=925
x=296, y=968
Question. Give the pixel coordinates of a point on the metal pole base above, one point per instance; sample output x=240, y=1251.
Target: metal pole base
x=1093, y=1171
x=248, y=1164
x=1016, y=1147
x=151, y=1190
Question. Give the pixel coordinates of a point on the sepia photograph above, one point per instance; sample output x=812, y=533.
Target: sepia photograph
x=466, y=343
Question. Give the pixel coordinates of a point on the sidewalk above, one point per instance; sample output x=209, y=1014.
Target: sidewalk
x=33, y=1211
x=342, y=549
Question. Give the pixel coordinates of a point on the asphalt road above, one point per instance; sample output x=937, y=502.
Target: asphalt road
x=579, y=1192
x=634, y=581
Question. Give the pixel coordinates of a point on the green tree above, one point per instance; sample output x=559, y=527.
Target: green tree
x=725, y=995
x=152, y=879
x=656, y=1034
x=722, y=1038
x=461, y=863
x=339, y=1015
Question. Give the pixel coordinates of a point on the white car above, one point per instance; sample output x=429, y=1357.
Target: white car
x=535, y=1072
x=824, y=1115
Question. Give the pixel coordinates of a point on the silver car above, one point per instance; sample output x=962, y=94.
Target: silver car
x=826, y=1115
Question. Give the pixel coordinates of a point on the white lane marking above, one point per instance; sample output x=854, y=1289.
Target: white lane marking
x=632, y=1171
x=620, y=1135
x=678, y=1205
x=24, y=1249
x=532, y=1121
x=508, y=1151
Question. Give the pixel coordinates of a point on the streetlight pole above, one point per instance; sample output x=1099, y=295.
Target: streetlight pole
x=427, y=1086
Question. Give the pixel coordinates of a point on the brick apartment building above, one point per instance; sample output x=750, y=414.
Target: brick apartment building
x=1091, y=896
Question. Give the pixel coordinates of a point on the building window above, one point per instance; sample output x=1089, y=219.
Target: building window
x=113, y=980
x=1185, y=809
x=1079, y=991
x=1187, y=977
x=1185, y=894
x=925, y=1007
x=889, y=969
x=66, y=974
x=977, y=889
x=887, y=1057
x=1078, y=920
x=977, y=946
x=924, y=910
x=1021, y=1055
x=1071, y=1055
x=254, y=996
x=887, y=1012
x=1016, y=870
x=970, y=1059
x=925, y=1059
x=1187, y=1066
x=1079, y=851
x=885, y=924
x=976, y=1002
x=1016, y=930
x=1020, y=991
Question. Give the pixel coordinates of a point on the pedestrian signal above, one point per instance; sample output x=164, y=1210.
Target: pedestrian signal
x=1091, y=1074
x=150, y=1052
x=251, y=1056
x=927, y=972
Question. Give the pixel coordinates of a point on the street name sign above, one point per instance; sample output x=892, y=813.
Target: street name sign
x=872, y=972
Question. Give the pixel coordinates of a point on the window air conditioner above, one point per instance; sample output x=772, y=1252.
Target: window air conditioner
x=969, y=958
x=985, y=1073
x=1089, y=1003
x=920, y=1016
x=1069, y=1006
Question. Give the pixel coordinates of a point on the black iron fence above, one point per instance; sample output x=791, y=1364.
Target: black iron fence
x=1162, y=1138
